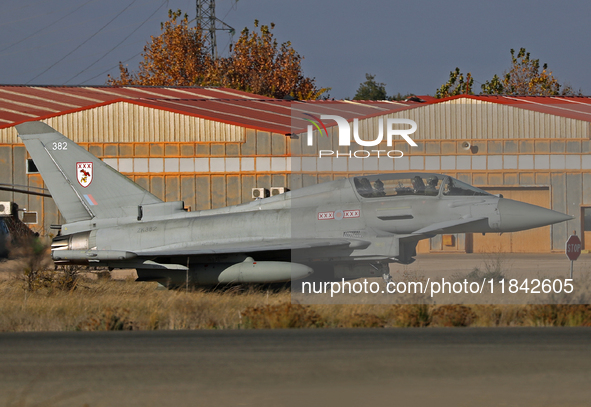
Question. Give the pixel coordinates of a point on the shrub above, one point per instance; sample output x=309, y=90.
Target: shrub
x=412, y=315
x=494, y=269
x=452, y=315
x=284, y=315
x=33, y=266
x=560, y=315
x=111, y=319
x=363, y=320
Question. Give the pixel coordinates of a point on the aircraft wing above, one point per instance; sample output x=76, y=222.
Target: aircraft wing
x=259, y=245
x=448, y=226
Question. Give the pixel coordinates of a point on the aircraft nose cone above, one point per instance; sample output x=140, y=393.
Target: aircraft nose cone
x=521, y=216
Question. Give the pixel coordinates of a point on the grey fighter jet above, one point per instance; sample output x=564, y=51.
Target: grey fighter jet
x=349, y=228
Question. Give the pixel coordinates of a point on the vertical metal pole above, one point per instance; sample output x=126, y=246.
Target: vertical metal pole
x=571, y=269
x=214, y=46
x=187, y=277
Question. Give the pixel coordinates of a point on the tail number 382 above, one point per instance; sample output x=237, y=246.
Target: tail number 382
x=60, y=145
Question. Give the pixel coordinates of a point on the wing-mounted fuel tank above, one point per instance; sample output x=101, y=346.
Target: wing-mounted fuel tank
x=247, y=271
x=80, y=248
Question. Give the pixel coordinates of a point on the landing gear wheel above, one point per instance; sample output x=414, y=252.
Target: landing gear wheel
x=385, y=269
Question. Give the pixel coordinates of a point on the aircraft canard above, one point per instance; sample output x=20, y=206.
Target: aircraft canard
x=350, y=227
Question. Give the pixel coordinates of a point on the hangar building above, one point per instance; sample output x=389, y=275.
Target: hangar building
x=211, y=146
x=531, y=149
x=208, y=147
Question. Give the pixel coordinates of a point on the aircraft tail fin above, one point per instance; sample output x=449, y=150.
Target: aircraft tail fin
x=82, y=186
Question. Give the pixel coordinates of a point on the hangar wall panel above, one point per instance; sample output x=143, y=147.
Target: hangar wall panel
x=527, y=241
x=210, y=164
x=467, y=119
x=127, y=122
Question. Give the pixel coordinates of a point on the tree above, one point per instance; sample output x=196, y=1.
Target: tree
x=257, y=63
x=399, y=96
x=456, y=85
x=495, y=86
x=174, y=58
x=370, y=89
x=525, y=78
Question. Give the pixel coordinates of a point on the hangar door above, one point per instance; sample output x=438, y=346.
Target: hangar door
x=527, y=241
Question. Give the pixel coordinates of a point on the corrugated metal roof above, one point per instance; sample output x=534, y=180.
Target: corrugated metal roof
x=572, y=107
x=27, y=103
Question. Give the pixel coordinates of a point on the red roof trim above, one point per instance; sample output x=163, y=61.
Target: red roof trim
x=513, y=100
x=205, y=116
x=62, y=113
x=151, y=106
x=230, y=106
x=570, y=107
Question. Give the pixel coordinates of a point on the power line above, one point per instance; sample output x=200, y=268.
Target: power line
x=121, y=42
x=233, y=6
x=47, y=26
x=22, y=8
x=88, y=39
x=113, y=67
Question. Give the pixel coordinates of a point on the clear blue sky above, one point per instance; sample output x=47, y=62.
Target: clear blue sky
x=411, y=46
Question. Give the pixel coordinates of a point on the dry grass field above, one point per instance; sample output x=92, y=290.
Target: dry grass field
x=127, y=305
x=35, y=298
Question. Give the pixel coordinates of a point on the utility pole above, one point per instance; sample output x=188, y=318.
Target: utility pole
x=209, y=24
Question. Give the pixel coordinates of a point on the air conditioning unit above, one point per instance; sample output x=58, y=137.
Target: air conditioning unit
x=260, y=193
x=278, y=190
x=5, y=209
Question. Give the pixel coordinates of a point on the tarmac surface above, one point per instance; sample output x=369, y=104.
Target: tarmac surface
x=512, y=264
x=433, y=268
x=444, y=264
x=322, y=367
x=530, y=264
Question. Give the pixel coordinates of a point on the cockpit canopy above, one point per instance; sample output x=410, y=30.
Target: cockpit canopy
x=385, y=185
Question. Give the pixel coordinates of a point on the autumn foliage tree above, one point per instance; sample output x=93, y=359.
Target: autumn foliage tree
x=174, y=58
x=525, y=78
x=257, y=63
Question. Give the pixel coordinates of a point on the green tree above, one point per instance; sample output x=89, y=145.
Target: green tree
x=399, y=96
x=496, y=86
x=370, y=89
x=456, y=85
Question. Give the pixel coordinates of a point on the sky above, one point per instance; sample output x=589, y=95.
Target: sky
x=411, y=46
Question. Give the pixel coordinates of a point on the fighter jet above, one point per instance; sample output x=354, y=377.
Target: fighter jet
x=348, y=228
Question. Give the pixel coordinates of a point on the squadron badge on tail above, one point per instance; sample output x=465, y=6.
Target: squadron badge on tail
x=84, y=173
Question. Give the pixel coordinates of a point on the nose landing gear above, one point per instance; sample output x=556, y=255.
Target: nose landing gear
x=384, y=269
